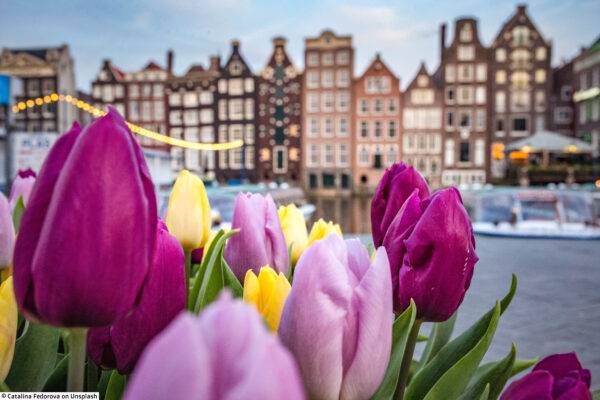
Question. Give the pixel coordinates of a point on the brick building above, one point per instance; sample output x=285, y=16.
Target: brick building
x=586, y=83
x=327, y=113
x=561, y=106
x=377, y=122
x=279, y=118
x=422, y=133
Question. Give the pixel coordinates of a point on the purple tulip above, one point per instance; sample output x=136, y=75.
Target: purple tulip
x=431, y=248
x=87, y=237
x=556, y=377
x=398, y=182
x=226, y=353
x=21, y=187
x=163, y=297
x=260, y=241
x=7, y=233
x=337, y=319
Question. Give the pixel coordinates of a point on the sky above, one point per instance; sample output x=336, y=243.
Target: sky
x=133, y=32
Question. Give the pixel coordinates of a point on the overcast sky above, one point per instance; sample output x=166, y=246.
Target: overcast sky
x=132, y=32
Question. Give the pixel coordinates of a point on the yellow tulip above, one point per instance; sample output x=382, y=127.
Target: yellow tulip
x=267, y=293
x=188, y=215
x=294, y=229
x=321, y=229
x=8, y=326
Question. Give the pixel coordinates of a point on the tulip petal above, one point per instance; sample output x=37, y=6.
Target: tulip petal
x=8, y=326
x=314, y=315
x=33, y=219
x=7, y=233
x=372, y=341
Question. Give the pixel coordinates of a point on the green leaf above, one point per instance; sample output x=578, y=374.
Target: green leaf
x=91, y=376
x=18, y=213
x=197, y=279
x=522, y=365
x=103, y=383
x=422, y=338
x=213, y=279
x=449, y=372
x=400, y=332
x=4, y=387
x=57, y=381
x=34, y=359
x=290, y=273
x=440, y=335
x=492, y=375
x=596, y=394
x=116, y=386
x=486, y=393
x=231, y=281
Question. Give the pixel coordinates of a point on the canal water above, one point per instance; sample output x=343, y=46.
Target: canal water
x=557, y=305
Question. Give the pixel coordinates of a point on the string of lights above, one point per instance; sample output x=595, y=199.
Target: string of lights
x=96, y=112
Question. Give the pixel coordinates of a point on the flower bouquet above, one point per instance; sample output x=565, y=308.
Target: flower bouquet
x=108, y=298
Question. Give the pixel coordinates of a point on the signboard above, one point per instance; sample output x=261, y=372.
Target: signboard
x=29, y=150
x=4, y=89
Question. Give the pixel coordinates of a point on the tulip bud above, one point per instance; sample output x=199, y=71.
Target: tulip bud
x=188, y=214
x=395, y=186
x=87, y=236
x=21, y=187
x=260, y=240
x=337, y=320
x=321, y=229
x=225, y=353
x=162, y=298
x=556, y=377
x=8, y=326
x=431, y=248
x=294, y=229
x=198, y=254
x=7, y=233
x=267, y=293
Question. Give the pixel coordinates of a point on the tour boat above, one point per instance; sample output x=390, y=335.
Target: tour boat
x=564, y=214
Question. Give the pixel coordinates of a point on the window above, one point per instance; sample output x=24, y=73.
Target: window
x=520, y=35
x=343, y=57
x=146, y=90
x=313, y=155
x=540, y=53
x=466, y=33
x=466, y=53
x=312, y=78
x=48, y=87
x=222, y=109
x=328, y=127
x=363, y=155
x=563, y=115
x=342, y=155
x=343, y=127
x=236, y=87
x=481, y=72
x=378, y=106
x=422, y=96
x=327, y=78
x=175, y=117
x=392, y=106
x=480, y=119
x=501, y=77
x=249, y=107
x=343, y=100
x=222, y=86
x=206, y=116
x=378, y=130
x=97, y=91
x=364, y=129
x=519, y=124
x=450, y=73
x=236, y=109
x=157, y=90
x=380, y=84
x=313, y=130
x=174, y=99
x=499, y=125
x=464, y=119
x=520, y=58
x=540, y=75
x=409, y=118
x=327, y=154
x=479, y=152
x=327, y=58
x=464, y=151
x=540, y=100
x=392, y=129
x=190, y=117
x=520, y=80
x=449, y=120
x=520, y=101
x=107, y=95
x=450, y=95
x=249, y=85
x=206, y=97
x=313, y=102
x=312, y=59
x=328, y=99
x=190, y=99
x=449, y=152
x=134, y=90
x=33, y=87
x=465, y=73
x=392, y=155
x=480, y=95
x=465, y=95
x=364, y=106
x=159, y=110
x=343, y=78
x=500, y=55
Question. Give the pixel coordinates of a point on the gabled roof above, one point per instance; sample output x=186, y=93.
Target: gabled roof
x=152, y=66
x=514, y=20
x=377, y=60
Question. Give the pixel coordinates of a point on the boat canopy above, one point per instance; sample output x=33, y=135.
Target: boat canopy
x=552, y=142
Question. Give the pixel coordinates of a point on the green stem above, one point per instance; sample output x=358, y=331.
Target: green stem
x=407, y=360
x=75, y=378
x=188, y=272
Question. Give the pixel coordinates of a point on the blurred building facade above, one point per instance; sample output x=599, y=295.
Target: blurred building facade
x=42, y=72
x=586, y=83
x=278, y=143
x=327, y=112
x=377, y=123
x=422, y=136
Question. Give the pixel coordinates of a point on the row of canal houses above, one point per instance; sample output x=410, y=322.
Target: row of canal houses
x=330, y=130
